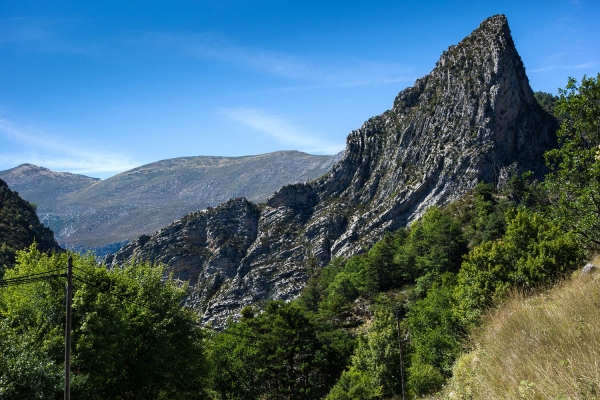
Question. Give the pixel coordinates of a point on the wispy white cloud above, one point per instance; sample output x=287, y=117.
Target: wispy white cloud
x=46, y=34
x=278, y=128
x=58, y=154
x=564, y=67
x=40, y=33
x=339, y=73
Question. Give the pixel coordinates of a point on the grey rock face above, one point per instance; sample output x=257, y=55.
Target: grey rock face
x=589, y=268
x=473, y=118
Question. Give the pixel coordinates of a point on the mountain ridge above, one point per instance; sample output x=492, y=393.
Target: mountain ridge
x=87, y=213
x=473, y=118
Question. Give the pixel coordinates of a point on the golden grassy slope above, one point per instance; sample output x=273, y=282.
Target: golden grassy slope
x=542, y=347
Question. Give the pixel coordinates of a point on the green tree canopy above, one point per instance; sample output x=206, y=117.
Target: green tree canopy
x=280, y=353
x=131, y=337
x=533, y=252
x=546, y=100
x=375, y=371
x=435, y=337
x=574, y=179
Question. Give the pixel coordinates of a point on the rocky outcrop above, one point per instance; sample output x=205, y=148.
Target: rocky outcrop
x=473, y=118
x=588, y=269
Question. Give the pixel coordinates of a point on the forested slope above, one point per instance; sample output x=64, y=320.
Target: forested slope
x=20, y=227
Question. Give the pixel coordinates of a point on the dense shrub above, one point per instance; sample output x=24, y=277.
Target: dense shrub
x=574, y=179
x=375, y=371
x=435, y=337
x=533, y=252
x=279, y=353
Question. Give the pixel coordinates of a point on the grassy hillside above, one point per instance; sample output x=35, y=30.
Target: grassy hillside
x=541, y=347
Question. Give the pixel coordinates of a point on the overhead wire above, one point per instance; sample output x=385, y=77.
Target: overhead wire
x=30, y=278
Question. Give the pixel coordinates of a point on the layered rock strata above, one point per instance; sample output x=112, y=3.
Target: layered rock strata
x=473, y=118
x=89, y=214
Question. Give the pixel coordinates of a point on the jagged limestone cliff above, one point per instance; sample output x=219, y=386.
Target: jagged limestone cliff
x=473, y=118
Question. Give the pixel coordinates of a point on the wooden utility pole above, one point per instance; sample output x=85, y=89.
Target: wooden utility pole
x=68, y=298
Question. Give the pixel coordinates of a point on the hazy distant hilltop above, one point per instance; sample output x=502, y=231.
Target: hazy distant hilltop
x=89, y=213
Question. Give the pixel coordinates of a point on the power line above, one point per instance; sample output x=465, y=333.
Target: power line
x=102, y=288
x=21, y=280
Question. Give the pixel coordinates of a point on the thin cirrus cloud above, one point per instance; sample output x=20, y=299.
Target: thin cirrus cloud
x=281, y=130
x=350, y=72
x=39, y=33
x=565, y=67
x=47, y=35
x=58, y=154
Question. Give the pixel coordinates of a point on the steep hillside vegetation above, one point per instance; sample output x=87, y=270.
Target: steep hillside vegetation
x=389, y=321
x=543, y=347
x=19, y=227
x=473, y=118
x=421, y=289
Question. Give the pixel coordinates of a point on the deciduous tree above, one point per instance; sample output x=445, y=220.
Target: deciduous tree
x=132, y=339
x=574, y=179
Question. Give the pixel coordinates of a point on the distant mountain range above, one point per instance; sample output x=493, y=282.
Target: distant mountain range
x=473, y=118
x=101, y=215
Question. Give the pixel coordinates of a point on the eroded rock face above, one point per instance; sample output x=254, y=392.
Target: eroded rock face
x=473, y=118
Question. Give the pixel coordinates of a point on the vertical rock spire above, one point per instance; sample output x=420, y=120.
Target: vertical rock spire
x=472, y=119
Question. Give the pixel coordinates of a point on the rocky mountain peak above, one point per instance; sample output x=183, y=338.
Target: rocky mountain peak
x=472, y=119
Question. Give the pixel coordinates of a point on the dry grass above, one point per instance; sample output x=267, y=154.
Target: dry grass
x=542, y=347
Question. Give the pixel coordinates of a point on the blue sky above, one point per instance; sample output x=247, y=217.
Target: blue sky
x=99, y=87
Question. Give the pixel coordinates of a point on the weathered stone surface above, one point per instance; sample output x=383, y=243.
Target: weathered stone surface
x=589, y=268
x=473, y=118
